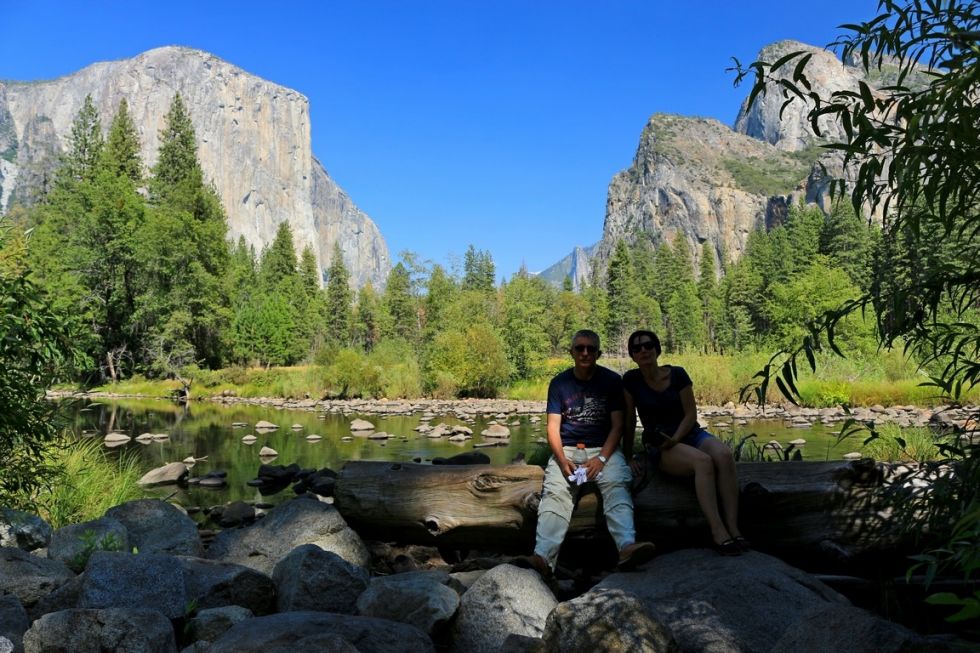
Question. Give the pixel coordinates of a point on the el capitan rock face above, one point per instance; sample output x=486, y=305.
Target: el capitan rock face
x=253, y=143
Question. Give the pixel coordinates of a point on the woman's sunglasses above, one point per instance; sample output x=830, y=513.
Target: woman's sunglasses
x=645, y=346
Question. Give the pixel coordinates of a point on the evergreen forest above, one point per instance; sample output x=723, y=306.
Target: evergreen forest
x=138, y=264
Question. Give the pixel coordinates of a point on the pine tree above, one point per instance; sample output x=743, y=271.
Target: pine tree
x=85, y=145
x=848, y=241
x=440, y=293
x=367, y=325
x=711, y=306
x=177, y=165
x=339, y=300
x=183, y=251
x=623, y=298
x=278, y=261
x=123, y=145
x=479, y=272
x=400, y=304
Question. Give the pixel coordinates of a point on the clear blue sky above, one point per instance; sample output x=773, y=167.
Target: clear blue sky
x=493, y=122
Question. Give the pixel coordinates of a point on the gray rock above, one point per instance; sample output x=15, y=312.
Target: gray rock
x=420, y=599
x=290, y=632
x=30, y=577
x=237, y=117
x=156, y=526
x=122, y=580
x=73, y=544
x=287, y=526
x=7, y=645
x=169, y=474
x=505, y=600
x=119, y=630
x=213, y=584
x=14, y=622
x=855, y=631
x=523, y=644
x=605, y=620
x=703, y=598
x=309, y=578
x=63, y=598
x=210, y=624
x=23, y=530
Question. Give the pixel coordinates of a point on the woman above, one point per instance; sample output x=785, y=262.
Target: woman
x=674, y=441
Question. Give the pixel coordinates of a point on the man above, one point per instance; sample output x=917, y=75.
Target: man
x=585, y=404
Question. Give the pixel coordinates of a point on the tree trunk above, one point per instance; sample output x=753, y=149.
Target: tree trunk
x=822, y=508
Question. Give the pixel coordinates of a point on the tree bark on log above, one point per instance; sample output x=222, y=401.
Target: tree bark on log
x=823, y=508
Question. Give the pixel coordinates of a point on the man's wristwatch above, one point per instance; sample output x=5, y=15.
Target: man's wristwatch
x=602, y=459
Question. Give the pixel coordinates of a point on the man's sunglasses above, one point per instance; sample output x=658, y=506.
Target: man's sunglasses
x=589, y=349
x=645, y=346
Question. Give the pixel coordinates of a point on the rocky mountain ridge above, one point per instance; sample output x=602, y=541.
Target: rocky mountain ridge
x=253, y=144
x=701, y=180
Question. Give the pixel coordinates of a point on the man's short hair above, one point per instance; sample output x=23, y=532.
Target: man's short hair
x=586, y=333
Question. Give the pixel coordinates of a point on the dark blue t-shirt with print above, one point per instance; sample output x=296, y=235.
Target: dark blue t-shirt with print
x=585, y=406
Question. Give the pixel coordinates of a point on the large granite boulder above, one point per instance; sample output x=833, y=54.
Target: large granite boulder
x=309, y=578
x=605, y=620
x=123, y=580
x=30, y=577
x=290, y=632
x=208, y=625
x=213, y=584
x=505, y=600
x=23, y=530
x=155, y=526
x=422, y=599
x=73, y=544
x=720, y=604
x=13, y=622
x=856, y=631
x=289, y=525
x=135, y=630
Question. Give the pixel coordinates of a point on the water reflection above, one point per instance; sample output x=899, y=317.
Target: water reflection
x=213, y=434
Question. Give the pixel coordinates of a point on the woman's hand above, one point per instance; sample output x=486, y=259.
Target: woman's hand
x=669, y=444
x=639, y=463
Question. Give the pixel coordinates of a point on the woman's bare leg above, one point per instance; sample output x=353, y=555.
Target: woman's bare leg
x=683, y=460
x=724, y=464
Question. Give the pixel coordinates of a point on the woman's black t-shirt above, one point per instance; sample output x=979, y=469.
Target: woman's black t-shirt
x=661, y=411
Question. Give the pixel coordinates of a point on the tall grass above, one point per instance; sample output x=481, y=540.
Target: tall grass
x=910, y=444
x=90, y=482
x=885, y=378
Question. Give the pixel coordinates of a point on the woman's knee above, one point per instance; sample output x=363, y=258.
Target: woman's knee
x=703, y=464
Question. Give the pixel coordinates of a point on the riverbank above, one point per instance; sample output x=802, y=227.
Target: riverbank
x=950, y=416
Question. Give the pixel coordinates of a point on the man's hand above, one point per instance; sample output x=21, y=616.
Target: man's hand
x=566, y=466
x=592, y=468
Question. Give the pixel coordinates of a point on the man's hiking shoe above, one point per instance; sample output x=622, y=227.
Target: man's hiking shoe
x=535, y=562
x=634, y=555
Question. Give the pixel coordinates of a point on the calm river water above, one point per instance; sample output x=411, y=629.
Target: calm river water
x=205, y=430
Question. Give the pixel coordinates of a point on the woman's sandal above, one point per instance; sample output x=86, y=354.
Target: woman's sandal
x=728, y=548
x=743, y=543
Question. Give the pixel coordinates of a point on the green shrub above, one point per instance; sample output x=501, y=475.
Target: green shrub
x=474, y=358
x=396, y=370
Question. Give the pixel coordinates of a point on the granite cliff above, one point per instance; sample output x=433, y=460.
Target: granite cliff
x=701, y=180
x=253, y=144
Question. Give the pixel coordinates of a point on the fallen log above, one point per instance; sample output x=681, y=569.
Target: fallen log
x=803, y=507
